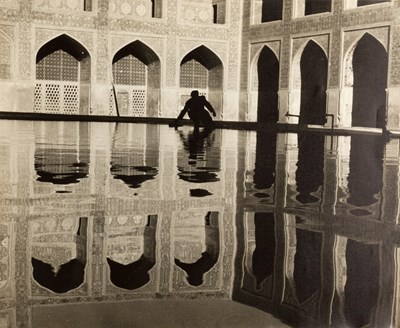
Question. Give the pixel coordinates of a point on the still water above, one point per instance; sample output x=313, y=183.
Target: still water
x=304, y=227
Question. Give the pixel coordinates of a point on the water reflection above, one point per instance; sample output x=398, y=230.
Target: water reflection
x=62, y=156
x=133, y=160
x=59, y=253
x=196, y=245
x=201, y=161
x=131, y=250
x=366, y=169
x=310, y=167
x=334, y=264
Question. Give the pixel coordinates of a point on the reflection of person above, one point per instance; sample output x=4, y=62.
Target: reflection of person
x=195, y=109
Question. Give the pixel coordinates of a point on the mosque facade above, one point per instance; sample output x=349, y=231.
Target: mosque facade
x=281, y=61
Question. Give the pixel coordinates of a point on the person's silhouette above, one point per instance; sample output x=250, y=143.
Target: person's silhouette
x=195, y=109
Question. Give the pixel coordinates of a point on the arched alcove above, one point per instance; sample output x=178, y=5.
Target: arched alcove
x=136, y=74
x=202, y=70
x=314, y=72
x=268, y=86
x=369, y=74
x=63, y=75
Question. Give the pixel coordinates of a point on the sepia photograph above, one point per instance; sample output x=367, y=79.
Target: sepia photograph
x=199, y=163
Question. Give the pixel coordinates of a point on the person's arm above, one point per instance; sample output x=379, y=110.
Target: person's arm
x=183, y=112
x=210, y=108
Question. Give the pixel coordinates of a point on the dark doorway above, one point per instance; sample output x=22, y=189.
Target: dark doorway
x=314, y=72
x=268, y=86
x=370, y=66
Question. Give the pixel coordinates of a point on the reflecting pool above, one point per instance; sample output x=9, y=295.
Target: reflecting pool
x=134, y=225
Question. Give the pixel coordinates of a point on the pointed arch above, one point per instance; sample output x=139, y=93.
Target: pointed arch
x=203, y=70
x=63, y=77
x=136, y=70
x=309, y=83
x=370, y=70
x=268, y=85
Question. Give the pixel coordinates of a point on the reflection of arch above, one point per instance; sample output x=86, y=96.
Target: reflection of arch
x=264, y=167
x=263, y=259
x=361, y=291
x=187, y=250
x=6, y=57
x=365, y=179
x=307, y=264
x=201, y=69
x=63, y=74
x=202, y=160
x=132, y=162
x=62, y=164
x=136, y=73
x=123, y=246
x=268, y=86
x=310, y=167
x=309, y=83
x=67, y=259
x=364, y=86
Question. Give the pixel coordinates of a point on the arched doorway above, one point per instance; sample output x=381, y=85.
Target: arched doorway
x=202, y=70
x=63, y=73
x=268, y=86
x=370, y=69
x=136, y=74
x=314, y=72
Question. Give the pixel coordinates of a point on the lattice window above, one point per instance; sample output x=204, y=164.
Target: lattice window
x=139, y=102
x=58, y=66
x=38, y=98
x=193, y=75
x=129, y=71
x=52, y=100
x=71, y=99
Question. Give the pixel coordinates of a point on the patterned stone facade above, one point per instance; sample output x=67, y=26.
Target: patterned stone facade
x=340, y=28
x=169, y=28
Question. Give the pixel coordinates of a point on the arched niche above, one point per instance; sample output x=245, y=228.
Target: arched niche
x=365, y=82
x=202, y=70
x=309, y=84
x=63, y=77
x=136, y=73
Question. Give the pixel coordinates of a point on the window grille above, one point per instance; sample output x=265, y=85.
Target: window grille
x=193, y=75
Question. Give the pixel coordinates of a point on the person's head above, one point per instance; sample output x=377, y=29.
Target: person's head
x=194, y=93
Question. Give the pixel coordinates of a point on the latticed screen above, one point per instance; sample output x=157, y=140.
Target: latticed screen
x=193, y=75
x=129, y=71
x=58, y=66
